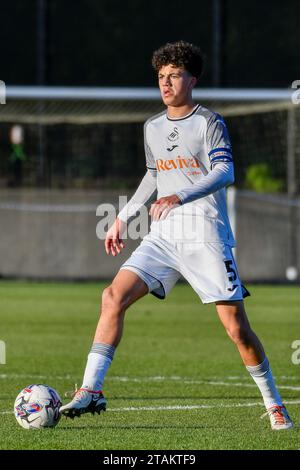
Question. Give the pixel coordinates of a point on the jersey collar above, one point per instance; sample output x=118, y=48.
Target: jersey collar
x=185, y=117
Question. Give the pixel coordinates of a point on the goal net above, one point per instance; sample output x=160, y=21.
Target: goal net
x=84, y=141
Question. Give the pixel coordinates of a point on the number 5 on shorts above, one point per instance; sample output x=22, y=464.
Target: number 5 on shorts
x=231, y=271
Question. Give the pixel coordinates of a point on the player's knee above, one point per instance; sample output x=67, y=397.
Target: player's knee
x=113, y=300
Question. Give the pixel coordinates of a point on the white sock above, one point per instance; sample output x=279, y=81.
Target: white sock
x=263, y=377
x=99, y=360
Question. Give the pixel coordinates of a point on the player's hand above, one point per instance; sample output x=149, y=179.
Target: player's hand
x=161, y=208
x=113, y=241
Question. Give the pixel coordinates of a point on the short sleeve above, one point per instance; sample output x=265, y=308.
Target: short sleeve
x=150, y=160
x=218, y=141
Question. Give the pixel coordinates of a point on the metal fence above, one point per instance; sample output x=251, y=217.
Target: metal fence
x=52, y=235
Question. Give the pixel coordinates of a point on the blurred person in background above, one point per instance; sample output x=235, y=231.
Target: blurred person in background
x=17, y=156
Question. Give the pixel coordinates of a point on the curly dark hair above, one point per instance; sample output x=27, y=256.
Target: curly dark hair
x=180, y=54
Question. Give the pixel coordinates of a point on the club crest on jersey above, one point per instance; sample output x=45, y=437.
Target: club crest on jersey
x=174, y=135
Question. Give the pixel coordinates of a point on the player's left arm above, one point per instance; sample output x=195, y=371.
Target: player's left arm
x=221, y=163
x=221, y=174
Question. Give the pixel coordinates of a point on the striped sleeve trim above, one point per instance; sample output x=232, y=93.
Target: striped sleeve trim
x=152, y=170
x=225, y=158
x=217, y=160
x=221, y=151
x=103, y=349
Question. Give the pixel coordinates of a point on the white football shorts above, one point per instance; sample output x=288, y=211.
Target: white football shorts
x=208, y=267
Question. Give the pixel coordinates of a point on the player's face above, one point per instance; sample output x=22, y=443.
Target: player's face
x=175, y=85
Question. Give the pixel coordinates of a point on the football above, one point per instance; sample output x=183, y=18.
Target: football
x=37, y=406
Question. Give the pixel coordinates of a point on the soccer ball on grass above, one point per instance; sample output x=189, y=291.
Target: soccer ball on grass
x=37, y=407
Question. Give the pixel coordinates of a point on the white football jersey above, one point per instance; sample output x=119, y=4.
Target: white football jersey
x=180, y=152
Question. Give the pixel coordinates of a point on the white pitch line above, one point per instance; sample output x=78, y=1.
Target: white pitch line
x=196, y=407
x=184, y=407
x=184, y=380
x=235, y=384
x=196, y=382
x=244, y=377
x=35, y=376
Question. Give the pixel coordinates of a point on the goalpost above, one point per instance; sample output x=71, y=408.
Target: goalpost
x=83, y=138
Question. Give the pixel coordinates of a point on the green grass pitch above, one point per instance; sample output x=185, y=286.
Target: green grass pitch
x=176, y=382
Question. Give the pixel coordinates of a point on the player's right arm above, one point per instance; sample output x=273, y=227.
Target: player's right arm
x=113, y=241
x=147, y=187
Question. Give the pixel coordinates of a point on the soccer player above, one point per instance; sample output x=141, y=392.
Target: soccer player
x=189, y=163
